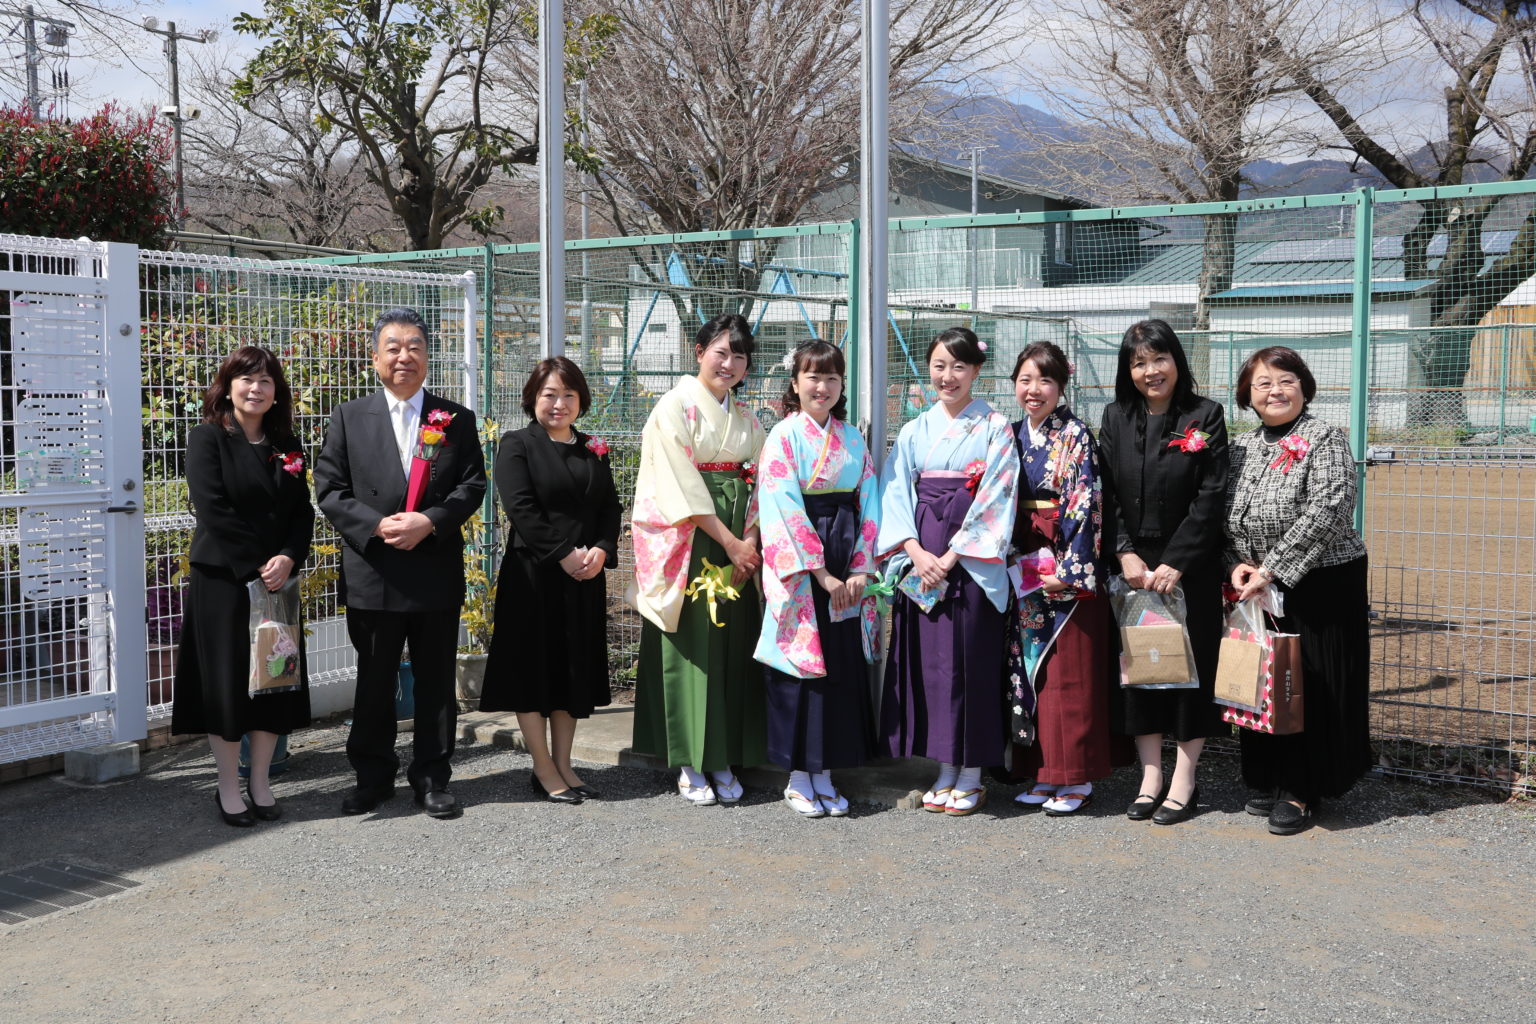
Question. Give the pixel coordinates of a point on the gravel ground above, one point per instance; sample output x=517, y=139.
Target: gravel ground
x=1407, y=903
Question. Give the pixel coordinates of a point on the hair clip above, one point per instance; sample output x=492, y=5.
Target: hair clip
x=789, y=360
x=981, y=345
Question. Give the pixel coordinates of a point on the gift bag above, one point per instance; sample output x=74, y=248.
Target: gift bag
x=1155, y=652
x=275, y=637
x=1259, y=675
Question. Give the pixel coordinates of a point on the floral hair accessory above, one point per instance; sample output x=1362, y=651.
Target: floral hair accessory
x=973, y=474
x=981, y=345
x=1293, y=448
x=597, y=446
x=293, y=462
x=789, y=360
x=1191, y=440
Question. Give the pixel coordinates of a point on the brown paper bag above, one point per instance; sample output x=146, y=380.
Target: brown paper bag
x=1240, y=672
x=1287, y=711
x=1154, y=654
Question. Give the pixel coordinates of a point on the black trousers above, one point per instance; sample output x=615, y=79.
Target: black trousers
x=379, y=638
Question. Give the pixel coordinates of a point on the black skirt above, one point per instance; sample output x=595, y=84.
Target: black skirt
x=1330, y=609
x=213, y=666
x=1180, y=714
x=549, y=651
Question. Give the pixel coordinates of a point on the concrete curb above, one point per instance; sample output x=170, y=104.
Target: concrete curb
x=604, y=739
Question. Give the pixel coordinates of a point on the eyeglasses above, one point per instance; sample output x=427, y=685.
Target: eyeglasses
x=1266, y=385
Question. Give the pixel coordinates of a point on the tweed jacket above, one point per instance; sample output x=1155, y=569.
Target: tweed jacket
x=1292, y=522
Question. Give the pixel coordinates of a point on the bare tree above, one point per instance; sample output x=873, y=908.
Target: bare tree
x=264, y=169
x=717, y=114
x=1483, y=53
x=1169, y=100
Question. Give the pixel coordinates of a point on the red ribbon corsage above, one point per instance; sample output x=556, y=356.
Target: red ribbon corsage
x=1293, y=449
x=973, y=474
x=293, y=462
x=597, y=446
x=749, y=473
x=1191, y=440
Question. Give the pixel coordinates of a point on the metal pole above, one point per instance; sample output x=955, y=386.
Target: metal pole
x=1360, y=346
x=594, y=360
x=552, y=176
x=170, y=56
x=34, y=58
x=971, y=234
x=874, y=240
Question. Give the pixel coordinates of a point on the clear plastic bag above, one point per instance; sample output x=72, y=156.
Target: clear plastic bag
x=276, y=635
x=1155, y=652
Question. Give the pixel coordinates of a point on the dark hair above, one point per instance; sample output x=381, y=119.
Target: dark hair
x=733, y=324
x=400, y=315
x=219, y=408
x=962, y=344
x=1281, y=358
x=1048, y=359
x=1156, y=336
x=570, y=375
x=816, y=356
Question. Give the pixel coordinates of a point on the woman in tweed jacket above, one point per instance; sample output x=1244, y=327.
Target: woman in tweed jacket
x=1290, y=512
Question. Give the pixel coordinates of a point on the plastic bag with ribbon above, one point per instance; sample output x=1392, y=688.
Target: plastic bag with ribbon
x=276, y=634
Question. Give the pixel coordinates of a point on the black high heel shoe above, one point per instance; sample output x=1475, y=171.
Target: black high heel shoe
x=1172, y=816
x=565, y=796
x=266, y=812
x=244, y=819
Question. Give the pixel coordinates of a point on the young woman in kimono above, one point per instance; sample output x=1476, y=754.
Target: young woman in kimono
x=818, y=499
x=1064, y=621
x=698, y=695
x=946, y=514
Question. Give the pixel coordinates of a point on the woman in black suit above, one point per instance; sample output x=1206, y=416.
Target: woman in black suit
x=549, y=653
x=1165, y=477
x=245, y=474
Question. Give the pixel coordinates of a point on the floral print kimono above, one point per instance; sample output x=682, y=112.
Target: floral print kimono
x=694, y=461
x=950, y=483
x=818, y=498
x=1058, y=659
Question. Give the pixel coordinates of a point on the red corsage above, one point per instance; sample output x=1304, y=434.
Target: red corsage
x=1191, y=440
x=440, y=418
x=973, y=474
x=293, y=462
x=597, y=446
x=1293, y=449
x=749, y=473
x=1229, y=593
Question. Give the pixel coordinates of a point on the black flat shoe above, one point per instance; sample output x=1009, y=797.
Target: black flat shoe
x=1261, y=806
x=1287, y=819
x=1142, y=807
x=1173, y=815
x=266, y=812
x=363, y=799
x=587, y=792
x=565, y=796
x=244, y=819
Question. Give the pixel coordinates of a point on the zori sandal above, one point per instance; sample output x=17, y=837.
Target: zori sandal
x=936, y=800
x=966, y=801
x=1069, y=800
x=1036, y=795
x=805, y=806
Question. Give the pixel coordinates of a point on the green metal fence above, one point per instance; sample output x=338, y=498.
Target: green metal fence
x=1415, y=311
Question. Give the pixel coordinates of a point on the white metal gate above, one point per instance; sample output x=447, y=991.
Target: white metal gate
x=71, y=485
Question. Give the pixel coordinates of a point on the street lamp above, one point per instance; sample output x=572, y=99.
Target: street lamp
x=174, y=111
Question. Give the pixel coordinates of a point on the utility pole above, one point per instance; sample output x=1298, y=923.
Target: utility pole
x=975, y=209
x=586, y=257
x=57, y=34
x=174, y=110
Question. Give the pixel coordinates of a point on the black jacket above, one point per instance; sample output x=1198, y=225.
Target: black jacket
x=248, y=508
x=1189, y=489
x=549, y=516
x=358, y=481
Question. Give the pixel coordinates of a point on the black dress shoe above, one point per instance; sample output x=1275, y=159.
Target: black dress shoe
x=244, y=819
x=587, y=792
x=365, y=798
x=565, y=796
x=1142, y=807
x=1261, y=806
x=1173, y=815
x=1287, y=819
x=266, y=812
x=438, y=802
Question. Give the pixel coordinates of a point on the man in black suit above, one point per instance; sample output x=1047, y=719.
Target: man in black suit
x=402, y=572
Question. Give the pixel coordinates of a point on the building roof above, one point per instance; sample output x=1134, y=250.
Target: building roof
x=1344, y=291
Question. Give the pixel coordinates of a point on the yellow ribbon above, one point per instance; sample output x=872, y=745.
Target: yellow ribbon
x=712, y=582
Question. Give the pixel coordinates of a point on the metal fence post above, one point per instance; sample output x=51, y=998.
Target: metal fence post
x=874, y=155
x=1503, y=379
x=1360, y=346
x=854, y=330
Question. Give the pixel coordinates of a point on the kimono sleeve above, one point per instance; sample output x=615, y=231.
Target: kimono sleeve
x=898, y=496
x=866, y=554
x=673, y=489
x=1077, y=549
x=790, y=542
x=988, y=527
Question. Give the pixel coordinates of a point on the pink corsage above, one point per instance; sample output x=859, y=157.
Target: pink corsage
x=597, y=446
x=440, y=418
x=1293, y=449
x=973, y=474
x=293, y=462
x=1191, y=440
x=749, y=473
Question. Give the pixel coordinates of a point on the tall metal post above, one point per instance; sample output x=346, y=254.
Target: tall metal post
x=177, y=116
x=874, y=236
x=586, y=257
x=34, y=59
x=552, y=176
x=1360, y=345
x=971, y=233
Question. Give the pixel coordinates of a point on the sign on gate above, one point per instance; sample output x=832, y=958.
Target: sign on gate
x=71, y=532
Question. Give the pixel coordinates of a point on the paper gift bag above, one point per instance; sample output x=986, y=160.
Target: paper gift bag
x=274, y=657
x=1153, y=655
x=1240, y=671
x=1281, y=710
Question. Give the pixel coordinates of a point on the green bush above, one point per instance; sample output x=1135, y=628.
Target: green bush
x=105, y=177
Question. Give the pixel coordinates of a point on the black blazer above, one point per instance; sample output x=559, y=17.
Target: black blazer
x=1189, y=488
x=358, y=481
x=550, y=517
x=247, y=509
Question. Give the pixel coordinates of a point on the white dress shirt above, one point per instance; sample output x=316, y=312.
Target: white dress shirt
x=405, y=417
